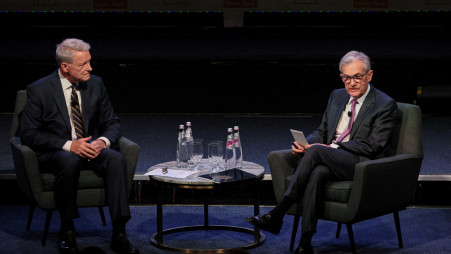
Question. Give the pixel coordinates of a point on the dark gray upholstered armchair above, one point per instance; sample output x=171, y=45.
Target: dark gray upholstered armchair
x=38, y=186
x=380, y=187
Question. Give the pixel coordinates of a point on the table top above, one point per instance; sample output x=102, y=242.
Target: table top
x=205, y=168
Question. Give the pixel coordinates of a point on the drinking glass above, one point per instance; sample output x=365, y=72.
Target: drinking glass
x=215, y=153
x=198, y=152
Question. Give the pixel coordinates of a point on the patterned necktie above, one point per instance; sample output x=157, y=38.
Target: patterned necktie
x=351, y=122
x=76, y=113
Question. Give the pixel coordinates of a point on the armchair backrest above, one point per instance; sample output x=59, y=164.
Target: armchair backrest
x=21, y=153
x=21, y=99
x=407, y=136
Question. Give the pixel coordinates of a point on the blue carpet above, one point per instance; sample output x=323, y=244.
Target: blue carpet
x=425, y=230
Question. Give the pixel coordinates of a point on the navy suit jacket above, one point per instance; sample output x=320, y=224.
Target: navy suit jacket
x=45, y=124
x=372, y=129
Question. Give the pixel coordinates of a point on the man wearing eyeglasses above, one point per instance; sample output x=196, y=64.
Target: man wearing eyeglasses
x=356, y=126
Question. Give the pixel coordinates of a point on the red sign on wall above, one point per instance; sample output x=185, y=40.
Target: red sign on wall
x=240, y=3
x=174, y=2
x=110, y=4
x=370, y=3
x=44, y=2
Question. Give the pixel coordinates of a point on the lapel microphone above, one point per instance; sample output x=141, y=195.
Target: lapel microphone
x=349, y=114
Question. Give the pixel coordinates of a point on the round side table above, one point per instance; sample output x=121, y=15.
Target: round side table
x=193, y=182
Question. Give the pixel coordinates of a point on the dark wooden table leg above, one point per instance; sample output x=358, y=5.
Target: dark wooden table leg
x=159, y=213
x=257, y=210
x=206, y=202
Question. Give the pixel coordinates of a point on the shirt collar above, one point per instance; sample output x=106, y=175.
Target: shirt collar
x=66, y=84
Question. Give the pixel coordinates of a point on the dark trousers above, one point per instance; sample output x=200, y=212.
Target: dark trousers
x=317, y=166
x=66, y=167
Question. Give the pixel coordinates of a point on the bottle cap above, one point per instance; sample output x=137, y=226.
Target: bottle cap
x=181, y=126
x=229, y=129
x=188, y=123
x=236, y=127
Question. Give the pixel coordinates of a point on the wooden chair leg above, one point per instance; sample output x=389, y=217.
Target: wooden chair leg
x=337, y=235
x=398, y=228
x=102, y=215
x=48, y=217
x=295, y=230
x=30, y=216
x=351, y=237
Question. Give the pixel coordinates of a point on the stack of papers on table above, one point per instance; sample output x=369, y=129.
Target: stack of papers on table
x=176, y=173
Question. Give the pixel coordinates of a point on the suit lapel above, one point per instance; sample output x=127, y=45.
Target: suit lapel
x=85, y=105
x=342, y=101
x=368, y=104
x=60, y=101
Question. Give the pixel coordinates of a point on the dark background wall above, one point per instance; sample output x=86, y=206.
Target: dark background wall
x=191, y=62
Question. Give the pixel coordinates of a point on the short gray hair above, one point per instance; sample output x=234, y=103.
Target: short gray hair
x=352, y=56
x=65, y=50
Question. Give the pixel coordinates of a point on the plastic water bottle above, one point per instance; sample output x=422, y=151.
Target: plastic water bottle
x=238, y=148
x=230, y=157
x=189, y=143
x=182, y=153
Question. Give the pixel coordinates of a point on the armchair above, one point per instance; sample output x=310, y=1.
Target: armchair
x=39, y=186
x=379, y=187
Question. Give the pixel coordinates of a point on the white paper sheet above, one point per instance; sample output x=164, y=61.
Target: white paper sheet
x=176, y=173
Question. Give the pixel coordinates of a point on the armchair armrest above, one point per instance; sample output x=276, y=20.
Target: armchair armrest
x=384, y=185
x=27, y=168
x=282, y=163
x=130, y=151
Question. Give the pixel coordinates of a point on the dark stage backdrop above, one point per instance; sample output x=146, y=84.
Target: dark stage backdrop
x=191, y=63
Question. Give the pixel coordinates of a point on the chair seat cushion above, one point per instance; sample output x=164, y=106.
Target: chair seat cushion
x=337, y=191
x=88, y=180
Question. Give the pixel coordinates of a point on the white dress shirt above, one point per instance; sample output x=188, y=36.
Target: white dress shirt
x=67, y=90
x=345, y=118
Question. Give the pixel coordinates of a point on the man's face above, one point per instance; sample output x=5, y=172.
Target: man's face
x=80, y=68
x=355, y=78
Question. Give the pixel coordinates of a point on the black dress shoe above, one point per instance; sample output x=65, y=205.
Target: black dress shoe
x=266, y=223
x=121, y=245
x=67, y=243
x=304, y=250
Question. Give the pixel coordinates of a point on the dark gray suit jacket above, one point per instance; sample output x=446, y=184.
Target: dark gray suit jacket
x=372, y=129
x=45, y=124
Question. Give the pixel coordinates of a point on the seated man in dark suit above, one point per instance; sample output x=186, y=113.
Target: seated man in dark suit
x=70, y=123
x=356, y=126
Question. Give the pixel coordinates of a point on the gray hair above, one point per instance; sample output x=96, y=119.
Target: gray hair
x=352, y=56
x=65, y=50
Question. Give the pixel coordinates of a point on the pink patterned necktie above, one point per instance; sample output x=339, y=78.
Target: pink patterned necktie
x=351, y=122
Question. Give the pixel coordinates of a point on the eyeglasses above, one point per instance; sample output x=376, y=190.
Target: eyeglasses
x=357, y=78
